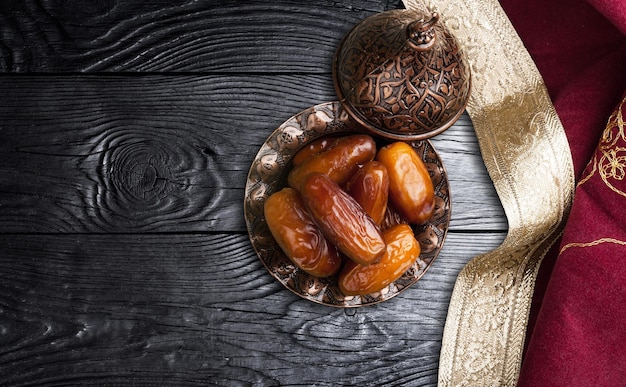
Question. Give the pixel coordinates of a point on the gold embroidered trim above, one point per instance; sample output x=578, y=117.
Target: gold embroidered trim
x=593, y=243
x=527, y=155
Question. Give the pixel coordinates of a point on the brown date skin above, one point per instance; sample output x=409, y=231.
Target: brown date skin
x=339, y=161
x=410, y=188
x=370, y=188
x=313, y=148
x=342, y=220
x=402, y=251
x=298, y=236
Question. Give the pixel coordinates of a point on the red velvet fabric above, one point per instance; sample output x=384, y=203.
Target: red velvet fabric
x=612, y=10
x=576, y=333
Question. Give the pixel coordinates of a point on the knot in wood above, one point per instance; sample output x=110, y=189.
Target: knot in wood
x=143, y=175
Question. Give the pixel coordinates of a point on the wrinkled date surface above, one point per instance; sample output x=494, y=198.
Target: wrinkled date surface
x=410, y=188
x=298, y=236
x=339, y=160
x=370, y=188
x=342, y=220
x=402, y=251
x=349, y=203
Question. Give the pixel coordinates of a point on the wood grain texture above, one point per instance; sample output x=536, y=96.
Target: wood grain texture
x=169, y=154
x=200, y=308
x=181, y=36
x=127, y=128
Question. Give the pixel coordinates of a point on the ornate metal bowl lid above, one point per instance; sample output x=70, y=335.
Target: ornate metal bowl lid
x=402, y=75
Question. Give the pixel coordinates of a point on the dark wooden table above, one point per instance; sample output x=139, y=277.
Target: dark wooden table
x=127, y=129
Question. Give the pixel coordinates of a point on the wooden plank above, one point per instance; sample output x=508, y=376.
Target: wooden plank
x=198, y=308
x=123, y=248
x=135, y=153
x=169, y=154
x=181, y=36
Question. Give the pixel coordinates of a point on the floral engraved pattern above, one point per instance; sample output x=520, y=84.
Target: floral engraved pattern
x=396, y=89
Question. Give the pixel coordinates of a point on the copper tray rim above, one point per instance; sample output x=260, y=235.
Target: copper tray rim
x=259, y=187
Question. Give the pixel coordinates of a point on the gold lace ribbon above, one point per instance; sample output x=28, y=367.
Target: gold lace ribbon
x=527, y=155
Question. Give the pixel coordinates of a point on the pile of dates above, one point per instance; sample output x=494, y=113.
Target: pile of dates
x=348, y=208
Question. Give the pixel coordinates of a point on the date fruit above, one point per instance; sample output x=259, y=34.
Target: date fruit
x=298, y=236
x=410, y=188
x=402, y=251
x=339, y=161
x=370, y=188
x=313, y=148
x=342, y=220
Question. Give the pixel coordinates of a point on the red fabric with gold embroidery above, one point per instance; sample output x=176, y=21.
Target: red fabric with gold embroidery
x=579, y=337
x=576, y=335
